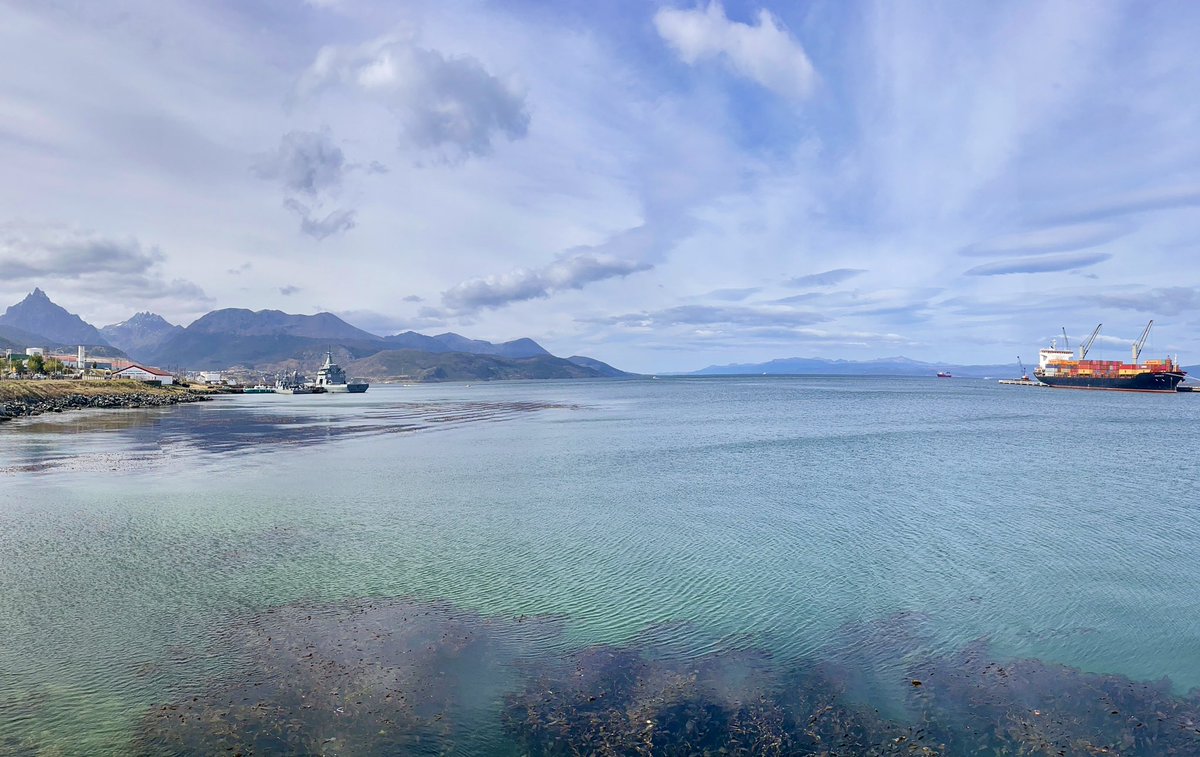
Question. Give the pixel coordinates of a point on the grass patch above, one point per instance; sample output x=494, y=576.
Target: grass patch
x=46, y=390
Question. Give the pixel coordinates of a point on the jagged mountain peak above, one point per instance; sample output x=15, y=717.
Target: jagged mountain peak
x=143, y=318
x=38, y=314
x=140, y=334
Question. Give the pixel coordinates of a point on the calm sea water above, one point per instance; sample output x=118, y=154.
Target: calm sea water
x=415, y=568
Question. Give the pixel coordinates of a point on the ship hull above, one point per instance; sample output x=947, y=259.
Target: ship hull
x=1142, y=382
x=355, y=388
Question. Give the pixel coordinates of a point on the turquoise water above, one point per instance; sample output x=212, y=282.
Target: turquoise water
x=147, y=556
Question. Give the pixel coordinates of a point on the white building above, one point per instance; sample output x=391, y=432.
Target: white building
x=210, y=377
x=141, y=373
x=31, y=351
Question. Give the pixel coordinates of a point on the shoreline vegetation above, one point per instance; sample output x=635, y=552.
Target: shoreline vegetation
x=26, y=398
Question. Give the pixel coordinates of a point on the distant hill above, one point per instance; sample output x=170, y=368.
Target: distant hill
x=604, y=369
x=451, y=342
x=140, y=335
x=199, y=350
x=37, y=315
x=277, y=323
x=411, y=340
x=889, y=366
x=516, y=348
x=414, y=365
x=259, y=339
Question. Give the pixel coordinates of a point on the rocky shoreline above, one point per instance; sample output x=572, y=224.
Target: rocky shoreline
x=24, y=407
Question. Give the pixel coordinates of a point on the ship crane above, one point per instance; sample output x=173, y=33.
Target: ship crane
x=1083, y=350
x=1141, y=342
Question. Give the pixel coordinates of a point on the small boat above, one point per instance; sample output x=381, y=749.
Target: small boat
x=259, y=389
x=1024, y=380
x=944, y=374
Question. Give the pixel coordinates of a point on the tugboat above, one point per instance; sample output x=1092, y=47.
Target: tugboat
x=1059, y=368
x=331, y=378
x=1024, y=380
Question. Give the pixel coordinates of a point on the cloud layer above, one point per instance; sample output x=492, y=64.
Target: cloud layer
x=43, y=255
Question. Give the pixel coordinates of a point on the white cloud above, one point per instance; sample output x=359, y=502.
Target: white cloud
x=569, y=272
x=447, y=104
x=1070, y=261
x=764, y=52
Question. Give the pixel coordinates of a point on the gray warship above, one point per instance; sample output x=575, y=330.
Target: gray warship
x=331, y=378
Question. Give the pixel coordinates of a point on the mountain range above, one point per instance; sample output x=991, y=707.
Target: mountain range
x=269, y=341
x=888, y=366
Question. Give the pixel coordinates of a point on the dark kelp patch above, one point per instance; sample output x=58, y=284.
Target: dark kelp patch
x=406, y=677
x=392, y=677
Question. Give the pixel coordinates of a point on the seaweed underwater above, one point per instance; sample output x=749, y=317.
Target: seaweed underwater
x=391, y=677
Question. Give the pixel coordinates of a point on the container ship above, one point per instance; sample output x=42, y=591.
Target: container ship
x=1061, y=369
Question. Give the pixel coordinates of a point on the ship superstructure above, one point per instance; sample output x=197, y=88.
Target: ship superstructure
x=1061, y=368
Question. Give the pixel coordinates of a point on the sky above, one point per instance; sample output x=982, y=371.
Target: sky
x=662, y=186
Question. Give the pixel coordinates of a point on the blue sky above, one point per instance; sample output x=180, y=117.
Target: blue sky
x=660, y=185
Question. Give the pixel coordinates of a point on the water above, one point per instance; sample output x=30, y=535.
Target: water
x=716, y=542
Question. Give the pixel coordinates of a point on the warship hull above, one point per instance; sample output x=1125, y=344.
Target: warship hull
x=353, y=388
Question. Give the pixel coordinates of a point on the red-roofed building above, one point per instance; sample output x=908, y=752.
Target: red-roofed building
x=141, y=373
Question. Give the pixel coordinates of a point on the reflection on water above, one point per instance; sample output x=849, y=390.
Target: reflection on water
x=411, y=677
x=146, y=436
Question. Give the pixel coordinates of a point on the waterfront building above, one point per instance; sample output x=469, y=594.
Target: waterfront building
x=142, y=373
